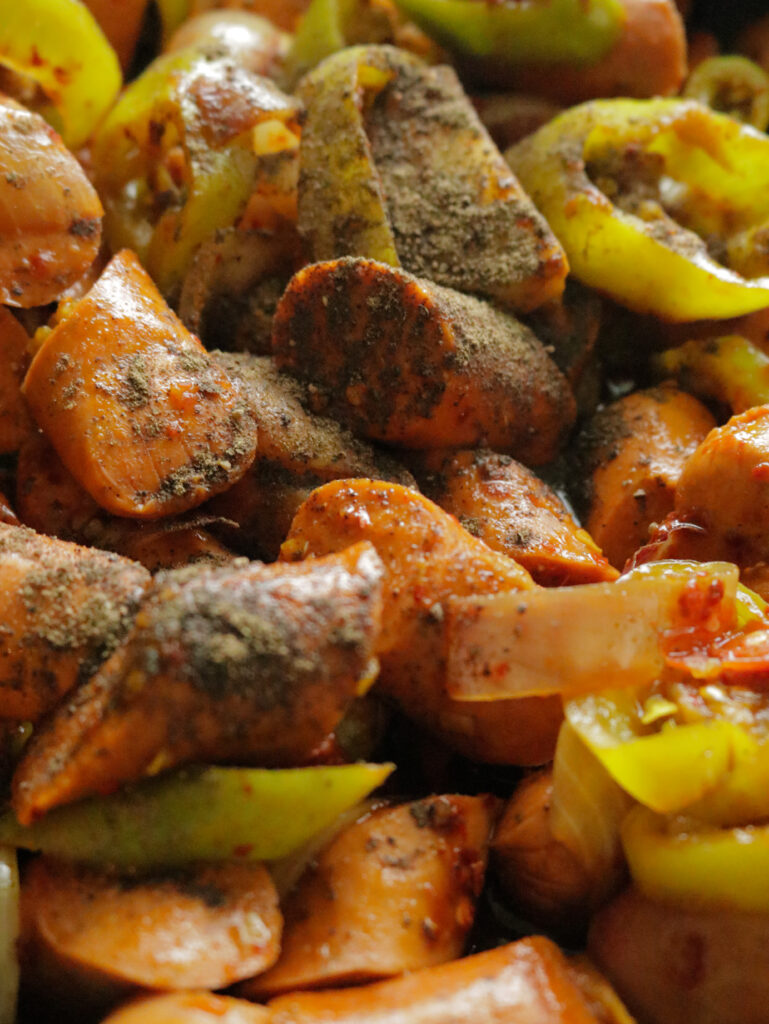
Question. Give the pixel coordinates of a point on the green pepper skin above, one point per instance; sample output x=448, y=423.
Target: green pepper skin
x=200, y=814
x=396, y=167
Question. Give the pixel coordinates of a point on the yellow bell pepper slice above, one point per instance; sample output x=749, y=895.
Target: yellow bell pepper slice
x=666, y=770
x=59, y=45
x=672, y=861
x=733, y=85
x=200, y=814
x=711, y=172
x=730, y=369
x=571, y=31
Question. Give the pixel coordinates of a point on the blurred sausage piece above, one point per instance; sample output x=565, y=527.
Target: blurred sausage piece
x=544, y=879
x=50, y=214
x=675, y=965
x=189, y=1008
x=526, y=982
x=16, y=424
x=84, y=928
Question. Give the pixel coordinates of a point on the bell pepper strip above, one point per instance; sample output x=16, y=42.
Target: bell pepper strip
x=337, y=166
x=59, y=46
x=181, y=153
x=328, y=26
x=730, y=369
x=609, y=634
x=559, y=30
x=711, y=171
x=733, y=85
x=9, y=934
x=172, y=14
x=200, y=814
x=323, y=30
x=666, y=770
x=397, y=167
x=673, y=860
x=561, y=49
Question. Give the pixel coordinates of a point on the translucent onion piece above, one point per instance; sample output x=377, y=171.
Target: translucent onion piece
x=586, y=811
x=573, y=640
x=9, y=934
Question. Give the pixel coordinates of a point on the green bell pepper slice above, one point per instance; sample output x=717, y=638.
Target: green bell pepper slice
x=172, y=14
x=177, y=158
x=711, y=172
x=200, y=814
x=337, y=160
x=59, y=45
x=552, y=31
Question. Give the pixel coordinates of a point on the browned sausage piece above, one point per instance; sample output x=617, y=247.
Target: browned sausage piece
x=401, y=360
x=139, y=413
x=250, y=663
x=428, y=557
x=297, y=451
x=50, y=500
x=63, y=610
x=393, y=892
x=89, y=933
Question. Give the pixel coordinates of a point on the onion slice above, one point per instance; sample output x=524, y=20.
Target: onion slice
x=572, y=640
x=9, y=934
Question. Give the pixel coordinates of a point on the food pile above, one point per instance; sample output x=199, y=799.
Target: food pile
x=384, y=526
